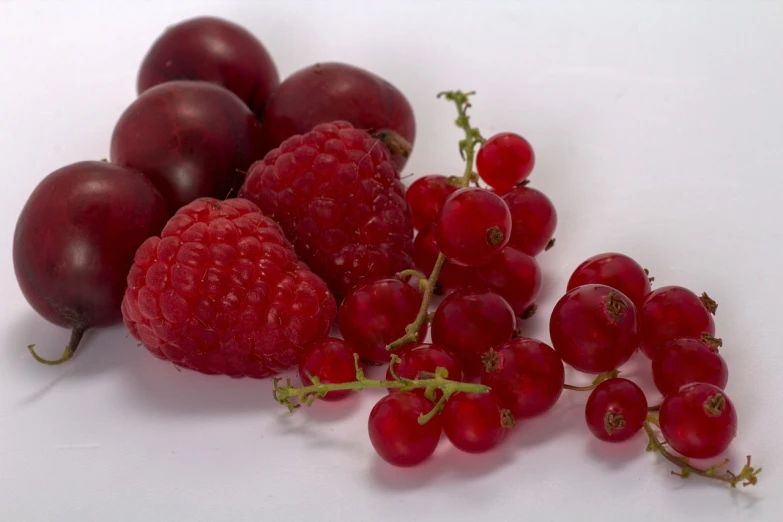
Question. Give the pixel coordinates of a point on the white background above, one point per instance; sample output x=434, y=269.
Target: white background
x=658, y=128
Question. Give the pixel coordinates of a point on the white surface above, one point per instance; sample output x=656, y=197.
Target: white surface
x=657, y=127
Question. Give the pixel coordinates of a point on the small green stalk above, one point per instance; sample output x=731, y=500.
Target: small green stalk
x=748, y=475
x=467, y=149
x=598, y=380
x=438, y=381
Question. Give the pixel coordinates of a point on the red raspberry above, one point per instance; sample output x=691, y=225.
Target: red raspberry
x=340, y=202
x=221, y=292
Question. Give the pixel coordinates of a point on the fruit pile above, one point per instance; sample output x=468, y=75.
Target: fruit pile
x=239, y=217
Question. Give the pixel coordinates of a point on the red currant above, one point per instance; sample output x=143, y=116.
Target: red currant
x=687, y=360
x=423, y=359
x=425, y=254
x=672, y=312
x=698, y=420
x=505, y=160
x=375, y=313
x=616, y=270
x=476, y=422
x=472, y=226
x=470, y=322
x=616, y=410
x=425, y=196
x=395, y=432
x=526, y=374
x=533, y=219
x=593, y=328
x=331, y=360
x=515, y=276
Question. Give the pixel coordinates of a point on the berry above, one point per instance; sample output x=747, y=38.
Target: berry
x=616, y=410
x=331, y=360
x=684, y=361
x=221, y=292
x=594, y=328
x=395, y=432
x=698, y=420
x=472, y=226
x=213, y=50
x=340, y=202
x=425, y=196
x=376, y=313
x=533, y=219
x=421, y=361
x=75, y=239
x=326, y=92
x=476, y=422
x=471, y=321
x=616, y=270
x=192, y=139
x=515, y=276
x=673, y=312
x=505, y=160
x=452, y=276
x=526, y=374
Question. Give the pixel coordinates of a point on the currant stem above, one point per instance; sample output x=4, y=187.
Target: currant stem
x=307, y=394
x=467, y=149
x=748, y=475
x=598, y=380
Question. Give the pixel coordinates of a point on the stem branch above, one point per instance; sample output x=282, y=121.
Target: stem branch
x=467, y=149
x=598, y=380
x=748, y=475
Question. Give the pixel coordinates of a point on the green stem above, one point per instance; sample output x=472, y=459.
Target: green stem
x=598, y=380
x=76, y=338
x=748, y=475
x=307, y=394
x=467, y=148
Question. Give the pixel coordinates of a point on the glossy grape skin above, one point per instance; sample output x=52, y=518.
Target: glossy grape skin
x=425, y=196
x=685, y=361
x=452, y=276
x=476, y=422
x=698, y=420
x=594, y=328
x=533, y=218
x=527, y=375
x=330, y=91
x=616, y=410
x=212, y=50
x=332, y=361
x=505, y=160
x=672, y=312
x=616, y=270
x=471, y=321
x=76, y=237
x=375, y=313
x=472, y=226
x=191, y=139
x=395, y=432
x=514, y=275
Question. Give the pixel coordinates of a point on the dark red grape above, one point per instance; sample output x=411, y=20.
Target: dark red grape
x=192, y=139
x=75, y=240
x=326, y=92
x=212, y=50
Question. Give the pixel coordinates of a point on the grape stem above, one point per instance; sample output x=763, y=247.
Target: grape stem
x=748, y=475
x=598, y=380
x=436, y=381
x=76, y=337
x=467, y=149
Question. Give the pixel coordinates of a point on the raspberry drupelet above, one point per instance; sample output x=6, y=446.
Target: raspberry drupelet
x=339, y=199
x=222, y=292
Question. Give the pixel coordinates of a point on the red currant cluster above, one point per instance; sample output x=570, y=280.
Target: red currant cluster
x=479, y=374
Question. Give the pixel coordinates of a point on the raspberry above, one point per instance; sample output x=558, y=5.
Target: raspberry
x=340, y=202
x=221, y=292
